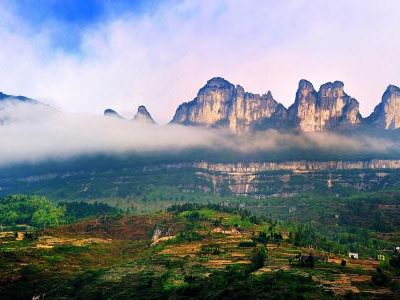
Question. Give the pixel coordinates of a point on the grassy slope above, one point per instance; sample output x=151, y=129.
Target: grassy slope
x=112, y=258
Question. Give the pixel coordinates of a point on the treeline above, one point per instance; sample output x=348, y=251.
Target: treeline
x=219, y=207
x=39, y=212
x=30, y=210
x=81, y=210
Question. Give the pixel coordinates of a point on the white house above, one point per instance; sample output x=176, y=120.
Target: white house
x=353, y=255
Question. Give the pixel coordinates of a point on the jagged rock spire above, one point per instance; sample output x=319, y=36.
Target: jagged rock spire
x=386, y=114
x=219, y=103
x=143, y=116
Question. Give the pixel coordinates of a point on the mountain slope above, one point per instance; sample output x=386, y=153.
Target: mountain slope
x=386, y=114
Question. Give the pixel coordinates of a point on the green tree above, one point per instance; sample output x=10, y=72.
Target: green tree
x=258, y=257
x=31, y=210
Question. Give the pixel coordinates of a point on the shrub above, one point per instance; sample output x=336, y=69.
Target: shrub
x=246, y=244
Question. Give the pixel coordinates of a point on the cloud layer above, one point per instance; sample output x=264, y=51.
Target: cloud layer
x=35, y=133
x=161, y=57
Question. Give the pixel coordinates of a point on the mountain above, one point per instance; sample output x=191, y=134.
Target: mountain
x=112, y=113
x=386, y=114
x=5, y=97
x=221, y=104
x=8, y=101
x=143, y=116
x=329, y=108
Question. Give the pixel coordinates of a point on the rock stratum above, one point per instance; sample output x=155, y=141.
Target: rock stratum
x=267, y=178
x=220, y=104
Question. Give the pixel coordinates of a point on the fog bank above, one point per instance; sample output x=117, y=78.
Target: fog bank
x=34, y=133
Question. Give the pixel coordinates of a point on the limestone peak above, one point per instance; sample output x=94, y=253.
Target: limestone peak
x=143, y=116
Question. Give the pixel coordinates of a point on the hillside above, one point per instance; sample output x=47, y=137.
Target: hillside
x=186, y=253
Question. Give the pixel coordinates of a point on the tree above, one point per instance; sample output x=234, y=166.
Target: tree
x=31, y=210
x=380, y=277
x=258, y=257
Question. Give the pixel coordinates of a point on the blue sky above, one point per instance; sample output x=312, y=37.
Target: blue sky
x=73, y=16
x=85, y=56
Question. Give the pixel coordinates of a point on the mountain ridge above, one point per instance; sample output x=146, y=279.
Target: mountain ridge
x=221, y=104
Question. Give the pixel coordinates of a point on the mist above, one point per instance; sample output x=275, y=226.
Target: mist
x=34, y=133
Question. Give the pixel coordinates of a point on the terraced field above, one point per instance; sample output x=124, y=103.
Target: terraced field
x=159, y=256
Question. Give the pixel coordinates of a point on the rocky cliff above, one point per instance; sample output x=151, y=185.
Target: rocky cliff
x=329, y=108
x=266, y=178
x=143, y=116
x=221, y=104
x=386, y=114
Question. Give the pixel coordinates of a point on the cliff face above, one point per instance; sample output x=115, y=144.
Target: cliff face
x=266, y=178
x=143, y=116
x=326, y=109
x=386, y=114
x=221, y=104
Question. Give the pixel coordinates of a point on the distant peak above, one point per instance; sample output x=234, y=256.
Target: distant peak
x=143, y=116
x=333, y=85
x=111, y=113
x=392, y=89
x=305, y=84
x=332, y=89
x=218, y=82
x=269, y=95
x=142, y=109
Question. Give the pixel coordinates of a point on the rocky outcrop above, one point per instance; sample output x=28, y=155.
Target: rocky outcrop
x=221, y=104
x=143, y=116
x=112, y=113
x=386, y=114
x=327, y=109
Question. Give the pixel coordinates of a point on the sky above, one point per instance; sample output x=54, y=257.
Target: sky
x=86, y=56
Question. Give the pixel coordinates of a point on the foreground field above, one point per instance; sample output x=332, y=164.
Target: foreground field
x=183, y=254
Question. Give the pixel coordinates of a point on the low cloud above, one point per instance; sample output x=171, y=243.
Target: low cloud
x=34, y=133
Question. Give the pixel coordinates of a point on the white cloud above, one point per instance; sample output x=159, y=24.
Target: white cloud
x=34, y=133
x=162, y=58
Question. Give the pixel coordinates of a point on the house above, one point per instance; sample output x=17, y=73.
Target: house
x=353, y=255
